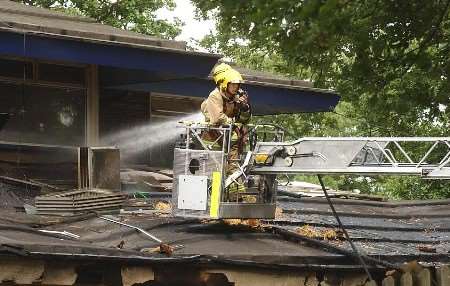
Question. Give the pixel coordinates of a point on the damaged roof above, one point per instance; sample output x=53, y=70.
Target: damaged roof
x=44, y=34
x=191, y=238
x=251, y=75
x=17, y=16
x=395, y=232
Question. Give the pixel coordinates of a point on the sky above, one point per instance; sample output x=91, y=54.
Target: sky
x=193, y=28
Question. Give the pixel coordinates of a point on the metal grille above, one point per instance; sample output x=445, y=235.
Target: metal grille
x=76, y=202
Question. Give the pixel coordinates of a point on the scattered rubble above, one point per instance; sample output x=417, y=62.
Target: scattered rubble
x=325, y=234
x=426, y=248
x=163, y=206
x=253, y=223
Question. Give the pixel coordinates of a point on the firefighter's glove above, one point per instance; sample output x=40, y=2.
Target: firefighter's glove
x=242, y=100
x=229, y=121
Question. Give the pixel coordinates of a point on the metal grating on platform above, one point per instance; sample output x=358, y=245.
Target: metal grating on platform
x=80, y=201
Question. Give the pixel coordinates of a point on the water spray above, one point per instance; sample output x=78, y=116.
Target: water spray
x=150, y=135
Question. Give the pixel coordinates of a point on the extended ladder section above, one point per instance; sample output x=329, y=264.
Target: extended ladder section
x=426, y=157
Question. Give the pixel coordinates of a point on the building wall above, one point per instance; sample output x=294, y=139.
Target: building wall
x=29, y=271
x=62, y=104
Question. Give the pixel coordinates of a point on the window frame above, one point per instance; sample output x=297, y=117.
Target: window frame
x=82, y=88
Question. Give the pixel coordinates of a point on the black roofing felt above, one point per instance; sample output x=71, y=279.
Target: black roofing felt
x=191, y=238
x=378, y=228
x=391, y=232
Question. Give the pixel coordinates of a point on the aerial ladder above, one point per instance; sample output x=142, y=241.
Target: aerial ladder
x=201, y=187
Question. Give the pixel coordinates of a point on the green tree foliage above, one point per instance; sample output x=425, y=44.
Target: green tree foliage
x=386, y=57
x=389, y=60
x=134, y=15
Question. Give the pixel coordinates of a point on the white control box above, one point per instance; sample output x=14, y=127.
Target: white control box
x=192, y=192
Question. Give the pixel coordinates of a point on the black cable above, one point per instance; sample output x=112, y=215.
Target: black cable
x=355, y=250
x=330, y=247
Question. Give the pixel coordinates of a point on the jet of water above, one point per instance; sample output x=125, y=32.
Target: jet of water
x=150, y=135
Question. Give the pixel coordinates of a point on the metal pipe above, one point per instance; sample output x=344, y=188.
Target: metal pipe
x=388, y=151
x=385, y=154
x=428, y=153
x=133, y=227
x=65, y=233
x=403, y=152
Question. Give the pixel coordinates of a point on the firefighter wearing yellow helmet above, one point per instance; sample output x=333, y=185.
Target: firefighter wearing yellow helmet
x=228, y=104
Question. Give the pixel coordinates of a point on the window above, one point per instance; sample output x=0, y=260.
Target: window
x=16, y=69
x=28, y=69
x=169, y=108
x=61, y=74
x=43, y=114
x=45, y=102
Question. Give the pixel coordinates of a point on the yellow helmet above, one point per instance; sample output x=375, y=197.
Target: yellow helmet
x=223, y=74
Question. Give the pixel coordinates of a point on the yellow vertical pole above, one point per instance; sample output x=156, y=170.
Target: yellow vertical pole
x=215, y=194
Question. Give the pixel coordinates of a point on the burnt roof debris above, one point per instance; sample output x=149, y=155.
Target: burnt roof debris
x=389, y=229
x=391, y=232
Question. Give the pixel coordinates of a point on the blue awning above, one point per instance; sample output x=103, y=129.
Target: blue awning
x=104, y=53
x=265, y=98
x=157, y=69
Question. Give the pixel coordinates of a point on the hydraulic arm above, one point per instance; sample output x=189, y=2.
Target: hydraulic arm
x=426, y=157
